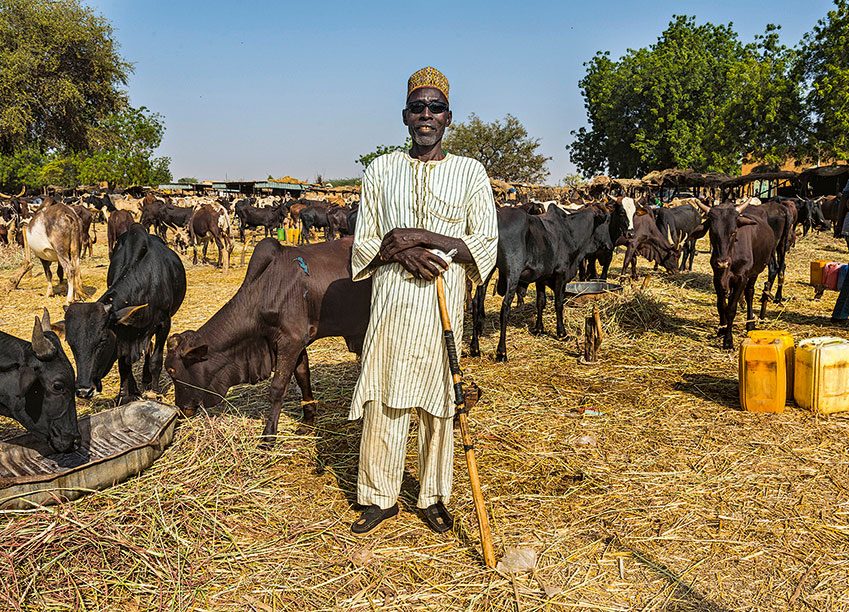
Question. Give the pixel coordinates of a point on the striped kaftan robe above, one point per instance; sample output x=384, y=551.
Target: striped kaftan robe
x=404, y=362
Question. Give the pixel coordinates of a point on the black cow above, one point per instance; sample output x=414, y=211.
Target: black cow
x=250, y=217
x=37, y=386
x=147, y=284
x=741, y=247
x=544, y=249
x=810, y=216
x=315, y=217
x=648, y=242
x=290, y=297
x=620, y=226
x=682, y=226
x=164, y=216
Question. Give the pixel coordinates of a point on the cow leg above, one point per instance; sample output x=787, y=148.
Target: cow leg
x=781, y=261
x=750, y=297
x=720, y=304
x=286, y=363
x=772, y=272
x=605, y=260
x=220, y=244
x=49, y=276
x=559, y=299
x=691, y=253
x=538, y=327
x=501, y=351
x=129, y=389
x=152, y=371
x=477, y=320
x=302, y=378
x=731, y=313
x=204, y=260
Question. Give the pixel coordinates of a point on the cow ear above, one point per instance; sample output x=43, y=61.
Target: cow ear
x=195, y=354
x=26, y=379
x=741, y=221
x=58, y=328
x=129, y=315
x=642, y=211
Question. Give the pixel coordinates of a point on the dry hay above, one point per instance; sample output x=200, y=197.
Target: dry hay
x=672, y=499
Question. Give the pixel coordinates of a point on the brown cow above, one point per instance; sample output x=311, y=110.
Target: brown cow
x=85, y=223
x=211, y=222
x=55, y=234
x=290, y=297
x=118, y=224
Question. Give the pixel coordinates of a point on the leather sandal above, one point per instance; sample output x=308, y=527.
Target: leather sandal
x=371, y=517
x=437, y=517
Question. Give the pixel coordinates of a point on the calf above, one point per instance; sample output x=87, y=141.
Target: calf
x=544, y=249
x=290, y=297
x=741, y=247
x=37, y=386
x=55, y=234
x=210, y=222
x=146, y=285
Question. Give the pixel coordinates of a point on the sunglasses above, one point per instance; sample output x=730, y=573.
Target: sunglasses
x=436, y=108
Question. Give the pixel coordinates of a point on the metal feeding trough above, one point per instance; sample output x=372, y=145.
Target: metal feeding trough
x=116, y=444
x=580, y=293
x=586, y=291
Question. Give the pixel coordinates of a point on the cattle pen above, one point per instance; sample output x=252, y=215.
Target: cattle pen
x=635, y=482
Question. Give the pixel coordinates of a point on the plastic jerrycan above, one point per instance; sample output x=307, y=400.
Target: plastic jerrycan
x=822, y=374
x=817, y=270
x=763, y=375
x=786, y=338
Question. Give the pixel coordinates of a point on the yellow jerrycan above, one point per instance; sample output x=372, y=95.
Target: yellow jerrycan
x=786, y=338
x=763, y=375
x=822, y=375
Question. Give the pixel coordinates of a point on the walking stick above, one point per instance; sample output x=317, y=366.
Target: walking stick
x=468, y=447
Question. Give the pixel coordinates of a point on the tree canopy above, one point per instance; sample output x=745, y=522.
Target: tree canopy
x=824, y=69
x=366, y=158
x=65, y=117
x=697, y=98
x=503, y=147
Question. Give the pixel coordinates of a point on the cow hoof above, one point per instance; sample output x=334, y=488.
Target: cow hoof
x=501, y=358
x=561, y=333
x=266, y=445
x=537, y=331
x=474, y=353
x=728, y=344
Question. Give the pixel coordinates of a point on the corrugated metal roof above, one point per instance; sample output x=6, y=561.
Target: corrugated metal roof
x=273, y=185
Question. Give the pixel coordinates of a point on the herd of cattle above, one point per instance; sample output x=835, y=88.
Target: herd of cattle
x=293, y=295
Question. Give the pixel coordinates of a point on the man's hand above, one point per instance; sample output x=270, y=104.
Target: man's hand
x=401, y=239
x=421, y=263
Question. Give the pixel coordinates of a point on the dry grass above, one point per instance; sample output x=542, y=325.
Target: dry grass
x=673, y=499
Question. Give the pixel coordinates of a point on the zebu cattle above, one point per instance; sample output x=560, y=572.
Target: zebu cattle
x=648, y=242
x=55, y=234
x=544, y=249
x=37, y=386
x=89, y=238
x=252, y=217
x=741, y=247
x=146, y=285
x=210, y=222
x=290, y=297
x=116, y=226
x=315, y=217
x=620, y=226
x=682, y=226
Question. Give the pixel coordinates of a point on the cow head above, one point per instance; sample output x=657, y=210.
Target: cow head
x=724, y=221
x=816, y=215
x=91, y=330
x=622, y=219
x=185, y=362
x=46, y=405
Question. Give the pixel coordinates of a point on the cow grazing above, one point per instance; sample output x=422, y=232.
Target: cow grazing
x=290, y=297
x=544, y=249
x=648, y=242
x=682, y=226
x=55, y=234
x=741, y=247
x=146, y=285
x=117, y=225
x=37, y=386
x=210, y=222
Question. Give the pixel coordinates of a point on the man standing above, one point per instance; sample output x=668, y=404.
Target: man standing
x=412, y=204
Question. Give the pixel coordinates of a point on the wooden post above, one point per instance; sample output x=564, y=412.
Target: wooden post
x=593, y=335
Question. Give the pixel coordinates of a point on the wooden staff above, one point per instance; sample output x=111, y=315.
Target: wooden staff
x=462, y=411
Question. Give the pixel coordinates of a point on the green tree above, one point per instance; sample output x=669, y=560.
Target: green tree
x=825, y=72
x=366, y=158
x=697, y=98
x=60, y=74
x=503, y=147
x=187, y=180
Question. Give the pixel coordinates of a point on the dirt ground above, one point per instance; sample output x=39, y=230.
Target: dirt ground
x=637, y=482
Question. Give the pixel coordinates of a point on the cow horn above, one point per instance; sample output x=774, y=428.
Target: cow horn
x=45, y=321
x=41, y=346
x=704, y=207
x=741, y=207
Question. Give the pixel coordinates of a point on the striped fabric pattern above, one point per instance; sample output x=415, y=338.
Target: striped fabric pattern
x=404, y=361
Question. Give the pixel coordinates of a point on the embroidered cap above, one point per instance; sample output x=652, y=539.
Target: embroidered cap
x=428, y=77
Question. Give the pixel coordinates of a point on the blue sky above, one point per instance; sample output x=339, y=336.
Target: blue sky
x=249, y=89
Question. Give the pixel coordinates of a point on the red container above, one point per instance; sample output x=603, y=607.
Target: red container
x=830, y=275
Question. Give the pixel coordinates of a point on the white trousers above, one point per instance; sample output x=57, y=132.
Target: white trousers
x=383, y=448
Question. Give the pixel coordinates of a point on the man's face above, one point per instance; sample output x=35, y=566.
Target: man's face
x=426, y=128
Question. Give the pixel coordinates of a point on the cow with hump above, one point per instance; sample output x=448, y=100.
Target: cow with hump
x=37, y=386
x=290, y=297
x=146, y=285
